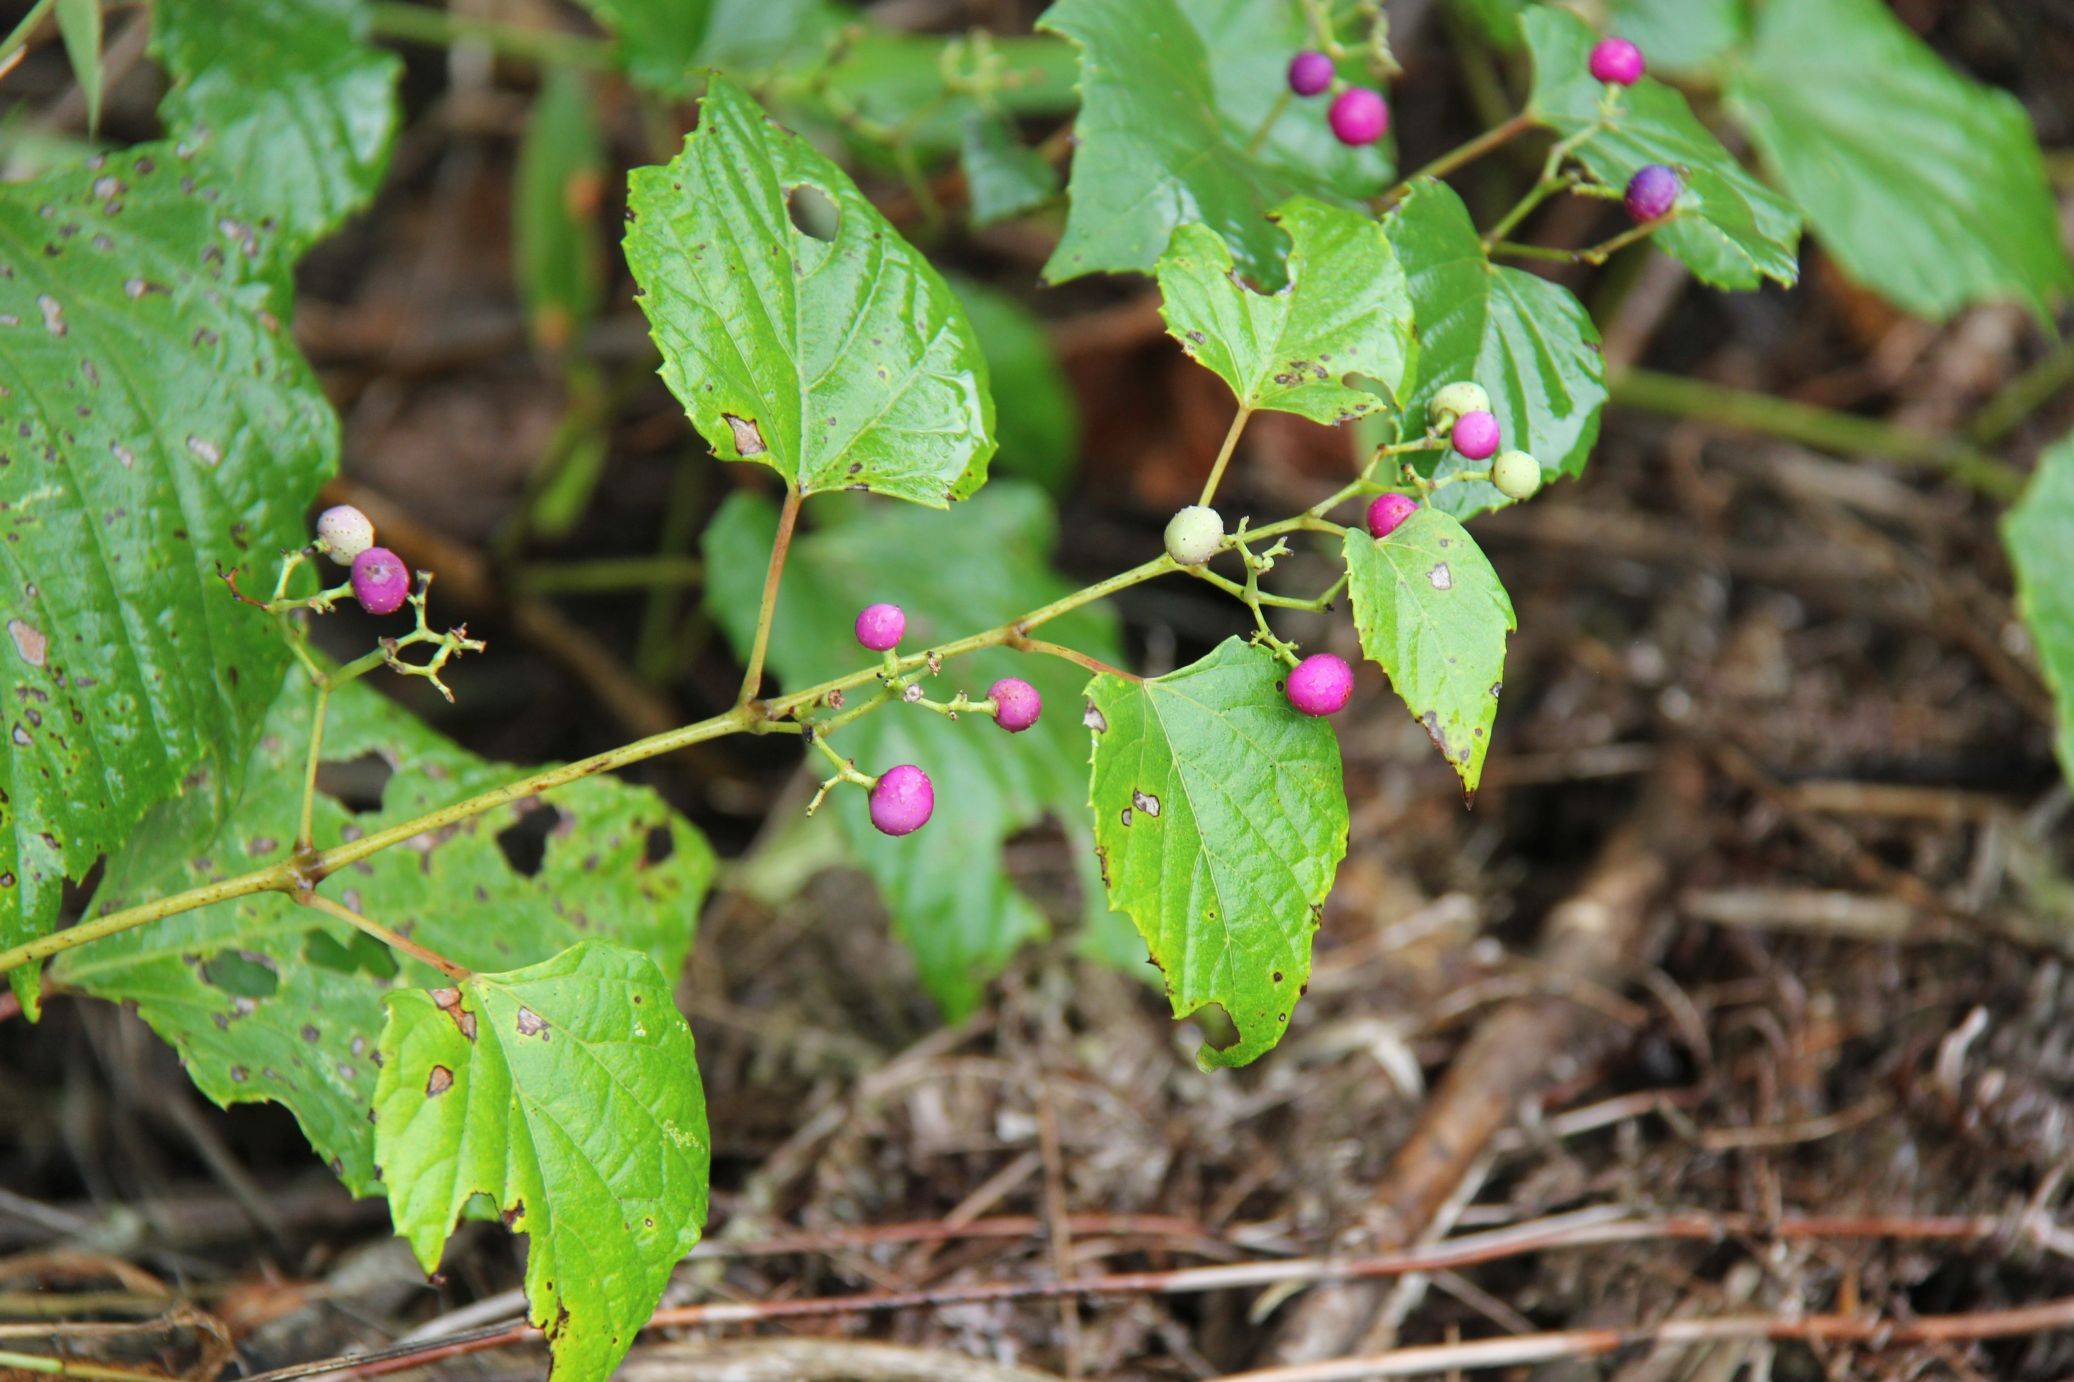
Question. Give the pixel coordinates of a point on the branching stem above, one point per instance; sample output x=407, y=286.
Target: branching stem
x=788, y=518
x=395, y=940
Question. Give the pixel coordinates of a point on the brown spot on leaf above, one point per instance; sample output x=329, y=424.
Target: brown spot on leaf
x=29, y=641
x=438, y=1082
x=1146, y=802
x=1442, y=578
x=1095, y=720
x=530, y=1023
x=449, y=1001
x=748, y=436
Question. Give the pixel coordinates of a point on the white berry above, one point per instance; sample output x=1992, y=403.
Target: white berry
x=1194, y=535
x=343, y=533
x=1455, y=401
x=1516, y=474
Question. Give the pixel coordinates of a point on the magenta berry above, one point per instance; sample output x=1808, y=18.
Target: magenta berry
x=1618, y=62
x=1320, y=684
x=1358, y=116
x=380, y=580
x=902, y=800
x=1016, y=704
x=1310, y=72
x=1387, y=514
x=1476, y=436
x=879, y=627
x=1653, y=192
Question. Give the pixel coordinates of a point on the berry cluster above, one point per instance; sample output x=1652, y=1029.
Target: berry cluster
x=1358, y=115
x=1653, y=192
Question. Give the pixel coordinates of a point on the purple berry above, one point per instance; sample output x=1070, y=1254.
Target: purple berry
x=1617, y=61
x=1320, y=684
x=1358, y=116
x=879, y=627
x=1476, y=436
x=1016, y=704
x=380, y=580
x=1653, y=192
x=1387, y=514
x=1310, y=72
x=902, y=800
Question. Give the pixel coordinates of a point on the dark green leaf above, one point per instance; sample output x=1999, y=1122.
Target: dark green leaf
x=159, y=423
x=1003, y=176
x=568, y=1092
x=1678, y=36
x=2039, y=533
x=1221, y=820
x=1037, y=415
x=605, y=860
x=1434, y=616
x=1926, y=186
x=1527, y=341
x=1730, y=229
x=947, y=885
x=842, y=363
x=1343, y=312
x=561, y=176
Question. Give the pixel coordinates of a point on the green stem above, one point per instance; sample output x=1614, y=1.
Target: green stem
x=1274, y=113
x=1224, y=453
x=306, y=821
x=788, y=518
x=610, y=575
x=45, y=1365
x=1075, y=656
x=1591, y=254
x=2024, y=395
x=395, y=940
x=1821, y=428
x=1493, y=138
x=19, y=34
x=443, y=28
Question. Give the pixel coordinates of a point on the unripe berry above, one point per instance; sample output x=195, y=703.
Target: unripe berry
x=1310, y=72
x=380, y=580
x=902, y=800
x=1016, y=704
x=1456, y=399
x=343, y=533
x=1653, y=192
x=879, y=627
x=1516, y=474
x=1475, y=435
x=1320, y=684
x=1387, y=514
x=1194, y=535
x=1617, y=62
x=1358, y=116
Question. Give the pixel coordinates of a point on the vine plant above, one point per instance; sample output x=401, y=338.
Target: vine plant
x=465, y=1033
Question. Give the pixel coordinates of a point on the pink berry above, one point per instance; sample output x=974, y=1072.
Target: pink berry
x=1476, y=436
x=1016, y=704
x=1653, y=192
x=1358, y=116
x=380, y=580
x=1387, y=514
x=1320, y=684
x=879, y=627
x=1310, y=72
x=902, y=800
x=1617, y=61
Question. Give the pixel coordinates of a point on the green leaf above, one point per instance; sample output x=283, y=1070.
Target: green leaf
x=841, y=363
x=1682, y=36
x=159, y=423
x=1927, y=187
x=79, y=25
x=561, y=175
x=568, y=1092
x=1344, y=312
x=1172, y=96
x=1433, y=614
x=1221, y=820
x=901, y=81
x=1037, y=415
x=1004, y=176
x=2039, y=533
x=289, y=108
x=1730, y=229
x=1526, y=340
x=1497, y=20
x=612, y=861
x=946, y=886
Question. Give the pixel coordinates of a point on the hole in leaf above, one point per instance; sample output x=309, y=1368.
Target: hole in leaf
x=813, y=214
x=660, y=846
x=241, y=974
x=1215, y=1023
x=356, y=783
x=524, y=841
x=363, y=954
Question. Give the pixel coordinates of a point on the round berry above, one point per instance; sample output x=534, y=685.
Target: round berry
x=1475, y=435
x=1358, y=116
x=380, y=580
x=1310, y=72
x=902, y=800
x=1194, y=535
x=1320, y=684
x=1653, y=192
x=1464, y=396
x=879, y=627
x=1016, y=704
x=1617, y=62
x=1387, y=514
x=1516, y=474
x=343, y=533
